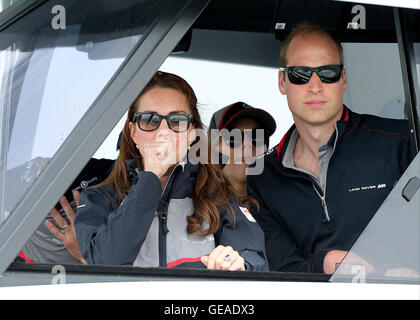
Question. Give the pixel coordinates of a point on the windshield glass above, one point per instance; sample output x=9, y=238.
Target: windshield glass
x=54, y=62
x=4, y=4
x=388, y=249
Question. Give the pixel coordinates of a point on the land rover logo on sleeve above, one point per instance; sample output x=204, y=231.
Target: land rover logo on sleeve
x=378, y=186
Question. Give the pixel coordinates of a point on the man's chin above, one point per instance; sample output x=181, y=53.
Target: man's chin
x=318, y=118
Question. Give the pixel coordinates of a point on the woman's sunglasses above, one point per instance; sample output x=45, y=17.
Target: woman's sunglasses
x=301, y=75
x=150, y=121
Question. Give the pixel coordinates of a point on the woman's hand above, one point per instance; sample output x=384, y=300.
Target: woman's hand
x=224, y=258
x=158, y=156
x=66, y=234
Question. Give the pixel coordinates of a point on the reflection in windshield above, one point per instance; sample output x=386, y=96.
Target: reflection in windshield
x=56, y=96
x=417, y=56
x=4, y=4
x=50, y=77
x=388, y=249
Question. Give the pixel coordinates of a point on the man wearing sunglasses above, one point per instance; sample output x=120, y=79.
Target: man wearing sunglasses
x=332, y=170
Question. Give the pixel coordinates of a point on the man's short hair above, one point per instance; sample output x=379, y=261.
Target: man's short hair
x=306, y=29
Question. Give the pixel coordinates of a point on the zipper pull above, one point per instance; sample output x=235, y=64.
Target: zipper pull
x=324, y=206
x=165, y=229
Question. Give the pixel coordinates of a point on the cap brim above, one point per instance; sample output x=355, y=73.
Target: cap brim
x=265, y=120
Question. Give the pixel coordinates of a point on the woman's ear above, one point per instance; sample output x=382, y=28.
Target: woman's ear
x=192, y=135
x=133, y=131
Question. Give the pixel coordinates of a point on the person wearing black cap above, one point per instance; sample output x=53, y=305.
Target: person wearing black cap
x=241, y=152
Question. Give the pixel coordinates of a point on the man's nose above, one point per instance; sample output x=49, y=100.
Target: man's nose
x=315, y=84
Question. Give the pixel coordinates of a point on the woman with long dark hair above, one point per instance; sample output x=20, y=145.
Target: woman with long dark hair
x=156, y=208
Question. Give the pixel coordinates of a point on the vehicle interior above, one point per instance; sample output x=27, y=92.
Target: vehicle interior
x=67, y=84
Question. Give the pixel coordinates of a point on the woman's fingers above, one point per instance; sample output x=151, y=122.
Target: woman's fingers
x=65, y=231
x=238, y=264
x=214, y=256
x=227, y=263
x=155, y=157
x=61, y=222
x=54, y=230
x=224, y=258
x=76, y=197
x=67, y=209
x=205, y=260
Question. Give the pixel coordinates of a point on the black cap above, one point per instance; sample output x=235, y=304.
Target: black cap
x=222, y=118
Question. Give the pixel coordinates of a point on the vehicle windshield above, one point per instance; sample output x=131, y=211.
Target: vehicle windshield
x=388, y=249
x=51, y=71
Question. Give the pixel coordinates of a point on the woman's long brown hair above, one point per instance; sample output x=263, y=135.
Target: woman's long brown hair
x=212, y=190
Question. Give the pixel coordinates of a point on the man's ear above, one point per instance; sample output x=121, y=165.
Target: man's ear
x=282, y=82
x=344, y=76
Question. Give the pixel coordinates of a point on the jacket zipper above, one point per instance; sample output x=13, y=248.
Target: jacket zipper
x=164, y=226
x=323, y=200
x=163, y=230
x=324, y=206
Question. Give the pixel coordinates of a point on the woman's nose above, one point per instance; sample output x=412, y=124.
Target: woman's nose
x=163, y=130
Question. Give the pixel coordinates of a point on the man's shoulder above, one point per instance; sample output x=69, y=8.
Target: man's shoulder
x=270, y=162
x=384, y=125
x=270, y=156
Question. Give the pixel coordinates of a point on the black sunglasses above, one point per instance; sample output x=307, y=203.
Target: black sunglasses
x=255, y=138
x=300, y=74
x=150, y=121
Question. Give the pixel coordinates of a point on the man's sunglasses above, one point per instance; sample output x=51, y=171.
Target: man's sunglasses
x=300, y=74
x=256, y=139
x=150, y=121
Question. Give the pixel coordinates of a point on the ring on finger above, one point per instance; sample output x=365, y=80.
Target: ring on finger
x=64, y=227
x=228, y=258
